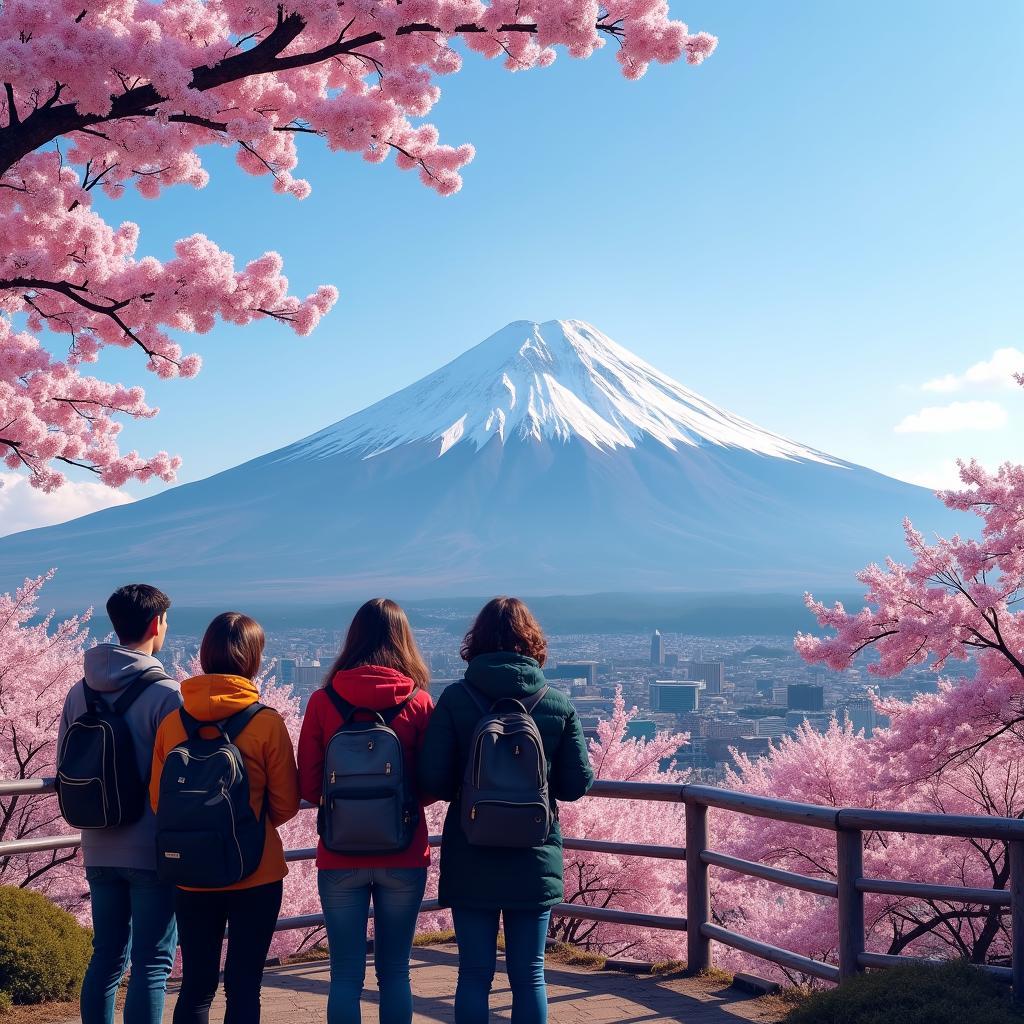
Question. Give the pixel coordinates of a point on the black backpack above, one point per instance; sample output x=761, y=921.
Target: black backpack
x=367, y=805
x=207, y=835
x=504, y=798
x=99, y=784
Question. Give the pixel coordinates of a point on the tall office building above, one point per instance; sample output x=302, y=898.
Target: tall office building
x=805, y=697
x=764, y=686
x=308, y=676
x=674, y=697
x=858, y=712
x=712, y=673
x=657, y=648
x=286, y=671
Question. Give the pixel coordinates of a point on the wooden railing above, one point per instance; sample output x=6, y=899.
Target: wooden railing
x=849, y=888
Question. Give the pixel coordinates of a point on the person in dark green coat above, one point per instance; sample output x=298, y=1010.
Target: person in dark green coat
x=505, y=650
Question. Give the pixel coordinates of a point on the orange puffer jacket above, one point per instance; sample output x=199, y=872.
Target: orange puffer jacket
x=264, y=744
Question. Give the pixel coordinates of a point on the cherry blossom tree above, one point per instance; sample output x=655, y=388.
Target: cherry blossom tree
x=956, y=607
x=639, y=884
x=121, y=94
x=40, y=659
x=841, y=768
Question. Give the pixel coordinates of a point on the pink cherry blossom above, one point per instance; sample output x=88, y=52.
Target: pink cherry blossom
x=126, y=93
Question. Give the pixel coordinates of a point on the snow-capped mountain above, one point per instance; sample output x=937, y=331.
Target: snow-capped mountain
x=561, y=381
x=547, y=459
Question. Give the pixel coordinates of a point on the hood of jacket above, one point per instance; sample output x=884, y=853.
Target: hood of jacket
x=505, y=674
x=110, y=667
x=373, y=686
x=214, y=697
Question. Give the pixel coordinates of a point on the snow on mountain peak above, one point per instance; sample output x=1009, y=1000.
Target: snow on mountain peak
x=556, y=381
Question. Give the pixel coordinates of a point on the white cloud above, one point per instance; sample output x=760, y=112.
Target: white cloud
x=944, y=476
x=22, y=507
x=996, y=373
x=953, y=418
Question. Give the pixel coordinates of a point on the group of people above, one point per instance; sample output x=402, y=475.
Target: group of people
x=373, y=751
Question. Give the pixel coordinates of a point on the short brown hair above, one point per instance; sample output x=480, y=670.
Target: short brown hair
x=232, y=645
x=380, y=634
x=505, y=624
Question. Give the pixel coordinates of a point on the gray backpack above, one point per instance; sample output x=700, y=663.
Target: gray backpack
x=504, y=797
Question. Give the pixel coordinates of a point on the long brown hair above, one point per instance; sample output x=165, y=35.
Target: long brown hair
x=380, y=634
x=232, y=645
x=505, y=624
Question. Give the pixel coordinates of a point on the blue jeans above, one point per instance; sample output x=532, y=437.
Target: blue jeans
x=132, y=921
x=345, y=895
x=476, y=932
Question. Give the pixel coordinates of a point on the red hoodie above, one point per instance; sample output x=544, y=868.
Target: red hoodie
x=378, y=689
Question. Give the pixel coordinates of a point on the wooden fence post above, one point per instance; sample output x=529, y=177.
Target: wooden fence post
x=850, y=868
x=1015, y=852
x=698, y=903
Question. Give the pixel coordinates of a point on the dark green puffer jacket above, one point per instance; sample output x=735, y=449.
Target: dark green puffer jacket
x=490, y=878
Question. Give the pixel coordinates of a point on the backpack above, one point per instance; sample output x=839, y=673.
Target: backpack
x=207, y=835
x=367, y=805
x=98, y=783
x=504, y=798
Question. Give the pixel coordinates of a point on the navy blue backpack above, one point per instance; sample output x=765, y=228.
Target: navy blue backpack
x=207, y=835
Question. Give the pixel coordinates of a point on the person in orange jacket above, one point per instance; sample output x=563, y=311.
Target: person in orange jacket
x=230, y=655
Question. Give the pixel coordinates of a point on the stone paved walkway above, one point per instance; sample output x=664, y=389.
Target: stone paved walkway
x=297, y=994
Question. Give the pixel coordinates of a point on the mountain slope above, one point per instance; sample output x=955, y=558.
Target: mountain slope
x=547, y=459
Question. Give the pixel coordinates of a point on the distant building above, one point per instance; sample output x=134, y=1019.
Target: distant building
x=286, y=671
x=764, y=687
x=657, y=648
x=712, y=673
x=677, y=698
x=858, y=712
x=574, y=670
x=308, y=677
x=819, y=721
x=641, y=729
x=779, y=695
x=805, y=697
x=772, y=727
x=671, y=661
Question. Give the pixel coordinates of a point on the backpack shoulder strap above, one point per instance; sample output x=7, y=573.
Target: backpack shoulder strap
x=531, y=702
x=240, y=719
x=189, y=724
x=341, y=705
x=134, y=689
x=478, y=698
x=392, y=713
x=92, y=697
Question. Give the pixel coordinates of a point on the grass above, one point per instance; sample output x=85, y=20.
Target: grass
x=572, y=956
x=953, y=993
x=434, y=938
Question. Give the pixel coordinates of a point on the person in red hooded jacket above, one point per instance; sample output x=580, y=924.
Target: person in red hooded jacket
x=378, y=669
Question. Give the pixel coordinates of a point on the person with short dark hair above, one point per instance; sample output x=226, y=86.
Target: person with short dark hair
x=505, y=649
x=230, y=656
x=132, y=911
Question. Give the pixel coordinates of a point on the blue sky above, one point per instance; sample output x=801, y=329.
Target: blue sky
x=822, y=219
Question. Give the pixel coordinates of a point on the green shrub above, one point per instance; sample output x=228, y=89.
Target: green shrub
x=6, y=1002
x=953, y=993
x=43, y=949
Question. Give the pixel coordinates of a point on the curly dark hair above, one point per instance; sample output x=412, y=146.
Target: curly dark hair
x=505, y=624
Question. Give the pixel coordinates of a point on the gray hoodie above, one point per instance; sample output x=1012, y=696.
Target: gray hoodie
x=108, y=670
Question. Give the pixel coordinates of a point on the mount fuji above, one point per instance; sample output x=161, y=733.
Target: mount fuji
x=546, y=460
